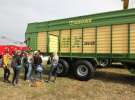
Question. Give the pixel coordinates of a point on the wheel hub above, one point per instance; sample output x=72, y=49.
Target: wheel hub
x=60, y=69
x=82, y=70
x=103, y=62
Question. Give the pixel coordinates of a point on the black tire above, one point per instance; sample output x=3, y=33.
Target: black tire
x=63, y=68
x=88, y=73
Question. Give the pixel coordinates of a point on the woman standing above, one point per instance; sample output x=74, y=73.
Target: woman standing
x=30, y=66
x=6, y=63
x=54, y=59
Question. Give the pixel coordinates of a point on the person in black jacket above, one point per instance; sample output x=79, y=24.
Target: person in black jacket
x=16, y=68
x=37, y=64
x=25, y=64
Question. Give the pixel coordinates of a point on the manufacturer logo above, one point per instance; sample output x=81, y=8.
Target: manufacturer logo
x=81, y=21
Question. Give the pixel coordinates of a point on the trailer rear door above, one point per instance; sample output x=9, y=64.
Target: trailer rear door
x=53, y=41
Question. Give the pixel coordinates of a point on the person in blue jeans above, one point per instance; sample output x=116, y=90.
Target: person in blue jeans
x=30, y=66
x=54, y=59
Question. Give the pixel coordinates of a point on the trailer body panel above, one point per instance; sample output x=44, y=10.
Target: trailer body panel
x=106, y=35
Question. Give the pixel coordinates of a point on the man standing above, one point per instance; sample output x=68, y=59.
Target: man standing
x=1, y=62
x=17, y=62
x=25, y=64
x=38, y=64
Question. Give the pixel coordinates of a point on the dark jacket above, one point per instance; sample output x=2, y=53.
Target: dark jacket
x=37, y=60
x=24, y=60
x=18, y=60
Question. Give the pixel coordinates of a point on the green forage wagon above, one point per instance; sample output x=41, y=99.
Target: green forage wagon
x=87, y=41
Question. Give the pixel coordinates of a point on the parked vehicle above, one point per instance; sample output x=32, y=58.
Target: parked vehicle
x=87, y=41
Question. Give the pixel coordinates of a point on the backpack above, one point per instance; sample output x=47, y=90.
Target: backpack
x=39, y=68
x=18, y=66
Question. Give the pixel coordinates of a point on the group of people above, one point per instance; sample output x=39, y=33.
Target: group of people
x=32, y=64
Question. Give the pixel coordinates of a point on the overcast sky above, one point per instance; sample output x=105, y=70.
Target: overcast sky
x=16, y=14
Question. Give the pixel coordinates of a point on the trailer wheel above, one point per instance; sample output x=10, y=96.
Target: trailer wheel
x=63, y=68
x=103, y=62
x=84, y=70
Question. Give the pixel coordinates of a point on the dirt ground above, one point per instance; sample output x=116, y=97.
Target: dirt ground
x=108, y=84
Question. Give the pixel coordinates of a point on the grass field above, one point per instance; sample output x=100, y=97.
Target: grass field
x=108, y=84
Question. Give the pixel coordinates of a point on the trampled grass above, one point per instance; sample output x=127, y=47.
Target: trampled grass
x=108, y=84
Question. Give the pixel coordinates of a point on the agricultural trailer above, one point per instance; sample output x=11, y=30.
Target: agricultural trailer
x=84, y=42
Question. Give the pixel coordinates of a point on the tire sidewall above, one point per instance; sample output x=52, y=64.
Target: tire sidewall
x=65, y=67
x=90, y=68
